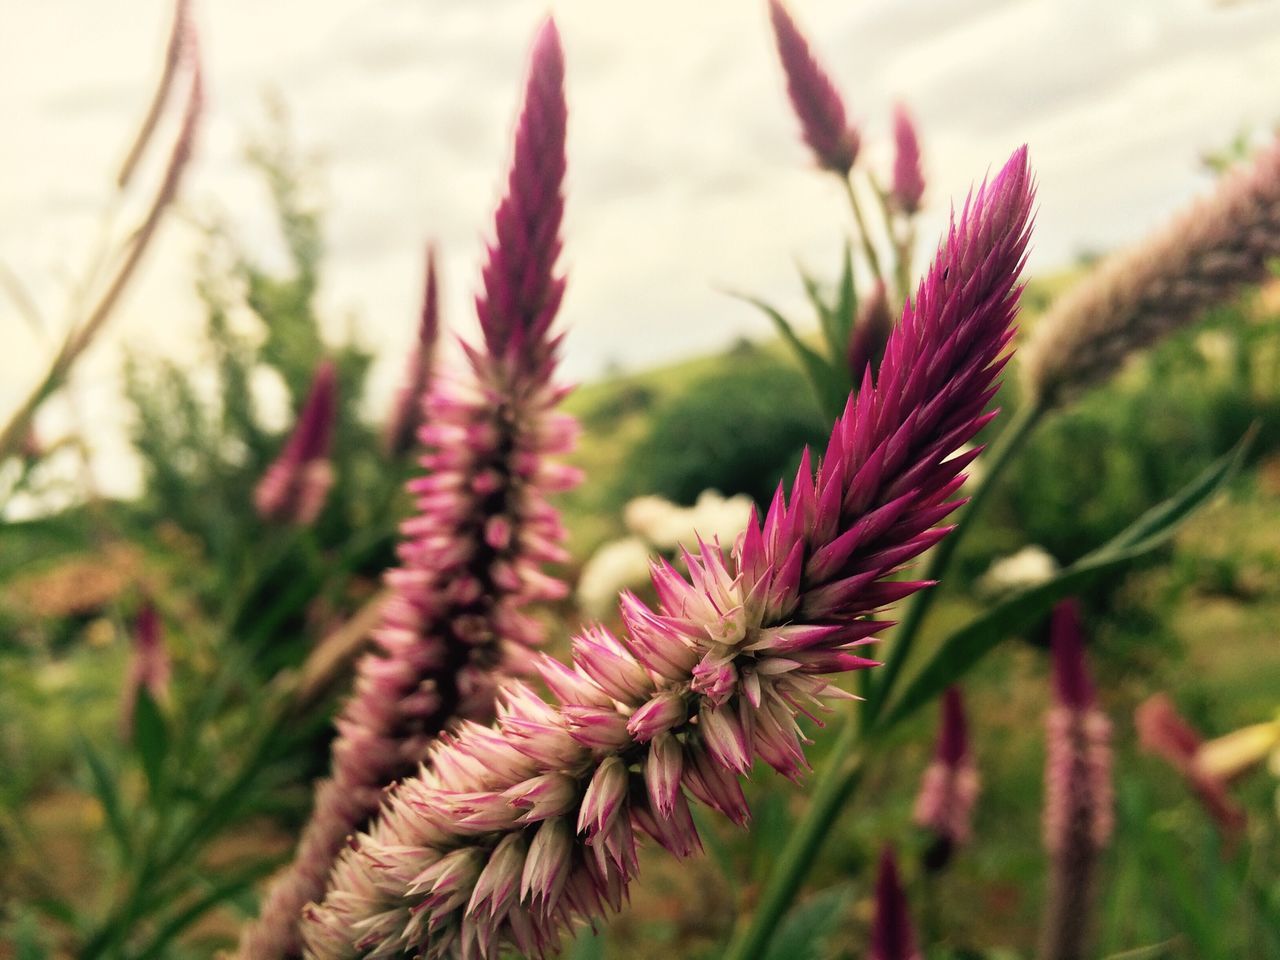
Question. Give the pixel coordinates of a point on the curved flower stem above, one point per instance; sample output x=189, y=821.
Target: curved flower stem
x=868, y=247
x=1002, y=453
x=837, y=783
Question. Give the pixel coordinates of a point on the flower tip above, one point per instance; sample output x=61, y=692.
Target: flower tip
x=1071, y=681
x=891, y=935
x=953, y=737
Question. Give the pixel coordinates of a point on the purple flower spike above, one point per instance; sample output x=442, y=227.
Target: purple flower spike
x=870, y=334
x=908, y=177
x=406, y=412
x=521, y=290
x=294, y=488
x=149, y=667
x=950, y=786
x=892, y=937
x=681, y=705
x=1071, y=682
x=471, y=562
x=814, y=97
x=1078, y=811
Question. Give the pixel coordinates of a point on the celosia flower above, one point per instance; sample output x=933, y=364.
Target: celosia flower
x=950, y=786
x=295, y=486
x=473, y=558
x=814, y=97
x=406, y=411
x=870, y=334
x=149, y=667
x=517, y=831
x=1078, y=811
x=1205, y=256
x=1163, y=731
x=908, y=177
x=892, y=937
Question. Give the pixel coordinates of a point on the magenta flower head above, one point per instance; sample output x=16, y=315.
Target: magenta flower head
x=294, y=488
x=892, y=937
x=514, y=833
x=149, y=667
x=870, y=334
x=814, y=97
x=472, y=559
x=950, y=786
x=406, y=411
x=1078, y=812
x=908, y=176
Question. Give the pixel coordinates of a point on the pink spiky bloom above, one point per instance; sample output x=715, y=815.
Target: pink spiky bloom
x=1078, y=811
x=950, y=786
x=908, y=175
x=149, y=667
x=870, y=334
x=473, y=557
x=295, y=486
x=815, y=99
x=1164, y=732
x=517, y=831
x=892, y=937
x=406, y=411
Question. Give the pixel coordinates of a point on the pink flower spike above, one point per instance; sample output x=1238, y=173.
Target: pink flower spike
x=870, y=334
x=1078, y=806
x=892, y=936
x=295, y=486
x=471, y=563
x=814, y=97
x=908, y=177
x=1071, y=681
x=407, y=410
x=149, y=667
x=1164, y=732
x=950, y=786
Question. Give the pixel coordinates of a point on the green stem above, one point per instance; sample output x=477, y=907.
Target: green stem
x=867, y=246
x=995, y=462
x=835, y=786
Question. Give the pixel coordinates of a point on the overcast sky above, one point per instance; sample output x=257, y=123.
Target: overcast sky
x=685, y=171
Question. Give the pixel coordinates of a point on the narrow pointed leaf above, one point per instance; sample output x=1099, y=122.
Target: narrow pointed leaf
x=964, y=648
x=104, y=788
x=823, y=376
x=151, y=740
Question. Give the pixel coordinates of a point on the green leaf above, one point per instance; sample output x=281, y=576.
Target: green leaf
x=964, y=648
x=804, y=931
x=825, y=379
x=216, y=894
x=104, y=788
x=846, y=305
x=151, y=740
x=588, y=946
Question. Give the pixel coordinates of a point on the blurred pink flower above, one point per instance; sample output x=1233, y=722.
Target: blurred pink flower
x=149, y=667
x=892, y=936
x=407, y=409
x=1078, y=808
x=908, y=177
x=871, y=329
x=296, y=485
x=1163, y=731
x=814, y=97
x=950, y=786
